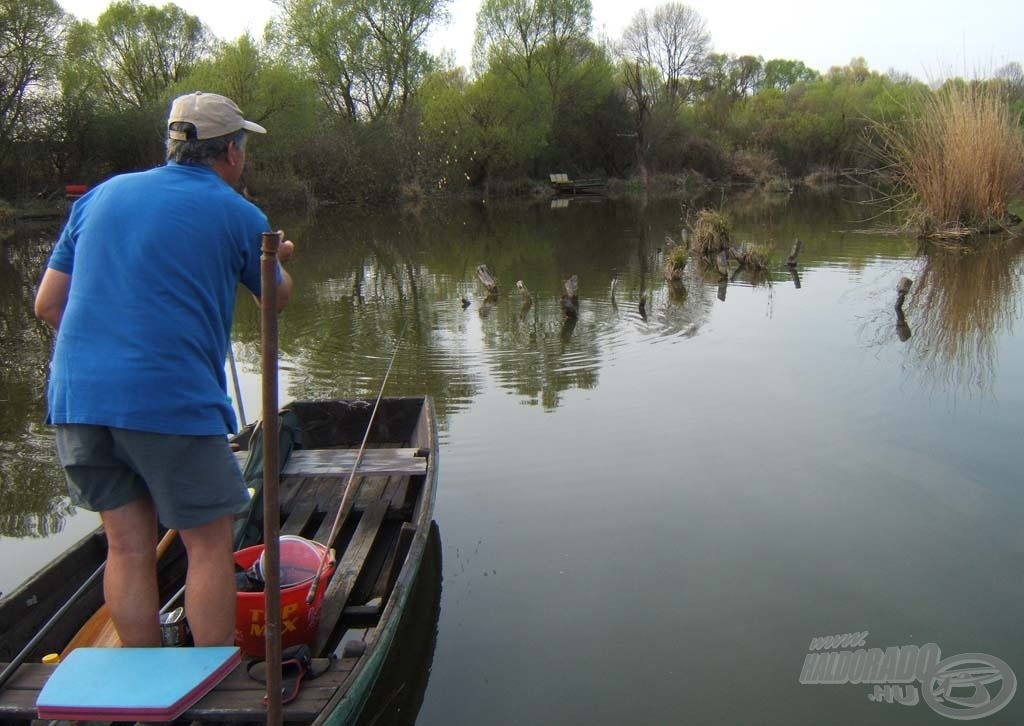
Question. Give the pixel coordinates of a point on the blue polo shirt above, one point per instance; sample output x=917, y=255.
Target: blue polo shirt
x=155, y=259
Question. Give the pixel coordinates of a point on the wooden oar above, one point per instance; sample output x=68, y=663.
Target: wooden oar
x=99, y=630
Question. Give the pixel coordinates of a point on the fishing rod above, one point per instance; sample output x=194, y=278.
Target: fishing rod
x=238, y=389
x=42, y=631
x=349, y=496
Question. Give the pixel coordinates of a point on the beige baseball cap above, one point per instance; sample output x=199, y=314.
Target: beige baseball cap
x=212, y=115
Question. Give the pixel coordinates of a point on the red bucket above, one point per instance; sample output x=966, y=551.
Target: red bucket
x=299, y=560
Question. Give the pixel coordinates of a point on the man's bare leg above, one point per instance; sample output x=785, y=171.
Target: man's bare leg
x=129, y=581
x=210, y=584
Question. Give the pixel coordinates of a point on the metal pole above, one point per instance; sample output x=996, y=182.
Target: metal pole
x=271, y=476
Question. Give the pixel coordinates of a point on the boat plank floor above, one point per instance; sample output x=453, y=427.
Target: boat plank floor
x=349, y=567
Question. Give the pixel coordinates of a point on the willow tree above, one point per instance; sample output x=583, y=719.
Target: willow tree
x=521, y=36
x=367, y=56
x=30, y=38
x=135, y=51
x=272, y=91
x=781, y=73
x=266, y=87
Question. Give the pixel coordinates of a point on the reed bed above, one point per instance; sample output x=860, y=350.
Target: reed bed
x=958, y=161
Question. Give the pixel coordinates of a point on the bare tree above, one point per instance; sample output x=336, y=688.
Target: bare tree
x=674, y=40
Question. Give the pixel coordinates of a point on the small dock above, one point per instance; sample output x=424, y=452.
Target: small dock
x=562, y=184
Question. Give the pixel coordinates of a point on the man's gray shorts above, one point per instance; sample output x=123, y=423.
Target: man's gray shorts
x=192, y=479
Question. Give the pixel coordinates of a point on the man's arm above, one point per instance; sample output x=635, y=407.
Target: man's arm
x=284, y=287
x=284, y=290
x=52, y=297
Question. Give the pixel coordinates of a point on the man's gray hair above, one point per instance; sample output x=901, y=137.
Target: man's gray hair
x=200, y=152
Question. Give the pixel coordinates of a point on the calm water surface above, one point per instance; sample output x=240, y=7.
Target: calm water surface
x=645, y=516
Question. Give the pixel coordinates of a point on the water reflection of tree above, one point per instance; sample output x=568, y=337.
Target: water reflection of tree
x=961, y=301
x=370, y=275
x=32, y=488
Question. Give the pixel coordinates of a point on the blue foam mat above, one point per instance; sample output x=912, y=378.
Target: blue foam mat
x=133, y=683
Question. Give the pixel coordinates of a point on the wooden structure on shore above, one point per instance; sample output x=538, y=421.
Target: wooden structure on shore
x=562, y=184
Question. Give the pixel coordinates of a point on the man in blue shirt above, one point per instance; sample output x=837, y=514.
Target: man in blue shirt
x=141, y=289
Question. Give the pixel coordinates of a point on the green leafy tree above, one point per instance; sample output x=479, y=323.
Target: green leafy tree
x=589, y=116
x=511, y=125
x=652, y=118
x=269, y=89
x=367, y=56
x=521, y=36
x=824, y=122
x=781, y=74
x=30, y=38
x=449, y=131
x=136, y=51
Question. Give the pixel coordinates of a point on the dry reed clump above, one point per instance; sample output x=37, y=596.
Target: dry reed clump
x=756, y=257
x=957, y=162
x=710, y=233
x=755, y=166
x=675, y=262
x=677, y=257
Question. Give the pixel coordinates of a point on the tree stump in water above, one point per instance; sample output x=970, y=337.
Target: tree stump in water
x=569, y=298
x=722, y=262
x=902, y=327
x=902, y=288
x=485, y=276
x=794, y=253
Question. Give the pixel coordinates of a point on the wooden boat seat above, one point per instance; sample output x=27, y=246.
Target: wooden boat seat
x=313, y=462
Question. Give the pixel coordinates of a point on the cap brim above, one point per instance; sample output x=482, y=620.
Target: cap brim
x=255, y=128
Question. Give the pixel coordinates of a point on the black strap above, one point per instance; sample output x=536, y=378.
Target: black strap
x=298, y=655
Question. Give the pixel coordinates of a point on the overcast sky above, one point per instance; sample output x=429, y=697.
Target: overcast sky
x=930, y=39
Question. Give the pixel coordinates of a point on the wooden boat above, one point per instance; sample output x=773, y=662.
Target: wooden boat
x=379, y=549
